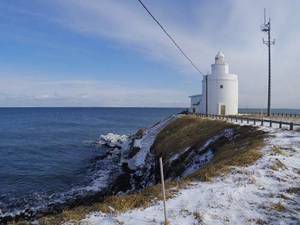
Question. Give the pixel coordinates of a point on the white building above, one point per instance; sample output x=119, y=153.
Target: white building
x=195, y=103
x=219, y=89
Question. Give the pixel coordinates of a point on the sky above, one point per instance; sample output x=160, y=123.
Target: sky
x=111, y=53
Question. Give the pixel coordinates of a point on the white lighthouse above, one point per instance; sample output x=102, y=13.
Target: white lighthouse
x=219, y=90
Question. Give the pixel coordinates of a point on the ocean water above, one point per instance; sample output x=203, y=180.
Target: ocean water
x=48, y=155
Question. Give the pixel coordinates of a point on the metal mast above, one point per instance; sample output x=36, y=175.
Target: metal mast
x=266, y=27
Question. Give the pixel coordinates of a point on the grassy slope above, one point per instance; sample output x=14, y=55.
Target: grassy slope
x=184, y=132
x=187, y=131
x=192, y=131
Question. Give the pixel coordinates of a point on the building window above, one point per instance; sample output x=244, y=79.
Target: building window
x=221, y=86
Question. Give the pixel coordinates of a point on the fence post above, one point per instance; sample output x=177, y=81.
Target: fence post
x=254, y=121
x=270, y=123
x=291, y=126
x=280, y=124
x=247, y=121
x=163, y=188
x=262, y=122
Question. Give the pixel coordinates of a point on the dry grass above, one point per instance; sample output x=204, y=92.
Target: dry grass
x=293, y=190
x=198, y=217
x=278, y=151
x=278, y=165
x=261, y=222
x=186, y=131
x=278, y=207
x=115, y=204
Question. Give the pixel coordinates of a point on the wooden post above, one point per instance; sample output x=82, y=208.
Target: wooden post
x=291, y=126
x=163, y=188
x=206, y=94
x=254, y=121
x=270, y=123
x=262, y=122
x=280, y=124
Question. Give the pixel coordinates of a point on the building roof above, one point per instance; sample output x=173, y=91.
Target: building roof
x=193, y=96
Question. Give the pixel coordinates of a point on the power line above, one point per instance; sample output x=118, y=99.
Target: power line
x=170, y=37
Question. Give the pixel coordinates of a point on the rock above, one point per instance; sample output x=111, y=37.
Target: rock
x=113, y=140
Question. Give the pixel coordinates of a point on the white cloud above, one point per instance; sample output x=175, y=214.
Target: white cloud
x=84, y=93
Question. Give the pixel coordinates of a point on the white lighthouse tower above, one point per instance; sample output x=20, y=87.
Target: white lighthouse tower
x=219, y=89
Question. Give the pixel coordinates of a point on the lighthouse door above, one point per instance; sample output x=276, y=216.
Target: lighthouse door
x=223, y=110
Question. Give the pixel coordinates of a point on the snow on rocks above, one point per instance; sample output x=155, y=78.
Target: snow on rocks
x=145, y=143
x=112, y=140
x=258, y=194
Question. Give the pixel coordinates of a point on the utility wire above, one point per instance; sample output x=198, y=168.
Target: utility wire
x=170, y=37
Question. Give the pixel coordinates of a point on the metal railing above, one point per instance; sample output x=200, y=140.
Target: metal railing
x=272, y=114
x=254, y=121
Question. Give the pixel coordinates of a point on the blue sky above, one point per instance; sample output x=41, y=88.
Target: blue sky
x=110, y=53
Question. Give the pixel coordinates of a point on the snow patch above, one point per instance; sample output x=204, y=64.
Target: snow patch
x=198, y=162
x=177, y=155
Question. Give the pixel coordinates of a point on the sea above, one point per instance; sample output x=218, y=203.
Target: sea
x=48, y=156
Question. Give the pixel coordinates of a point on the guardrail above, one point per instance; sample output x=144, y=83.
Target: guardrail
x=273, y=114
x=254, y=121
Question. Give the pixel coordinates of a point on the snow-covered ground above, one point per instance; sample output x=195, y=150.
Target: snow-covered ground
x=253, y=195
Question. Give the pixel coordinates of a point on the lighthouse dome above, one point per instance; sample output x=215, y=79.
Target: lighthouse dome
x=220, y=58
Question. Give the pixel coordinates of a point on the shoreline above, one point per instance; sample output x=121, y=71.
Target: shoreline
x=107, y=205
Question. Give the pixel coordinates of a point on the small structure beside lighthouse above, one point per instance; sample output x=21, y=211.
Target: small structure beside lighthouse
x=219, y=90
x=195, y=103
